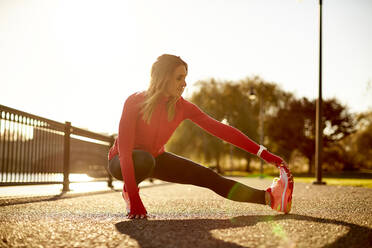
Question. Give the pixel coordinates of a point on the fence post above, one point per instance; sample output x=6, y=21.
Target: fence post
x=66, y=158
x=109, y=180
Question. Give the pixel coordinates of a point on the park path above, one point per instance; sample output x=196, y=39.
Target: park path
x=188, y=216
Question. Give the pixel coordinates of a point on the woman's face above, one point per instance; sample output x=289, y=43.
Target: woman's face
x=177, y=82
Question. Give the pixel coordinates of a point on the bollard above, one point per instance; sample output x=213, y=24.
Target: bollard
x=66, y=158
x=109, y=180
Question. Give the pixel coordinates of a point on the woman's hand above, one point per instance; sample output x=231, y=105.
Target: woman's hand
x=129, y=215
x=284, y=164
x=136, y=216
x=273, y=159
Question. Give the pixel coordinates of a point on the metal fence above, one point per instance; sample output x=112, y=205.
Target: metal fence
x=36, y=150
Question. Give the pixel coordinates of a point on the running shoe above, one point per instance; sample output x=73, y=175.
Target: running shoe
x=281, y=191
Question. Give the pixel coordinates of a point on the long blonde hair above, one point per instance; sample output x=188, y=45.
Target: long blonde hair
x=161, y=71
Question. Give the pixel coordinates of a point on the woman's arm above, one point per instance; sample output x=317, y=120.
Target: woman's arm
x=126, y=138
x=227, y=133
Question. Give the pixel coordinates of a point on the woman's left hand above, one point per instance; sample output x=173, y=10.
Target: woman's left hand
x=137, y=216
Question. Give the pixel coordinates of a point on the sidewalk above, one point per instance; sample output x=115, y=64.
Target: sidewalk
x=34, y=193
x=51, y=189
x=189, y=216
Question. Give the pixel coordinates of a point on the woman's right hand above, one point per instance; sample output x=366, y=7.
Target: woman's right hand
x=284, y=164
x=272, y=158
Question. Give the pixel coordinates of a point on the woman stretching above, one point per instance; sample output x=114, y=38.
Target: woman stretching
x=149, y=119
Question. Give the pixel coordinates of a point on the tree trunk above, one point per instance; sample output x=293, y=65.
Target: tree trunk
x=248, y=159
x=310, y=164
x=347, y=159
x=219, y=171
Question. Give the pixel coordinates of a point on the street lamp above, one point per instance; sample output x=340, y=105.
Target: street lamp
x=319, y=128
x=253, y=96
x=226, y=122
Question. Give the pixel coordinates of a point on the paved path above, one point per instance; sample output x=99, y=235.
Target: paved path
x=188, y=216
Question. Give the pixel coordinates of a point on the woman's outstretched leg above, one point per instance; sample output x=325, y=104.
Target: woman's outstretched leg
x=172, y=168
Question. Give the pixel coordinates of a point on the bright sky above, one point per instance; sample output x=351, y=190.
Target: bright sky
x=78, y=60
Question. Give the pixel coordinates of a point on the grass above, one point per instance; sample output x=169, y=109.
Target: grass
x=332, y=179
x=357, y=182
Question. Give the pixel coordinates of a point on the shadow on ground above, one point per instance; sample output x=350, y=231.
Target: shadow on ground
x=196, y=232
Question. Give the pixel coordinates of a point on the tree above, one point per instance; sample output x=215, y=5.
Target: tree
x=364, y=147
x=202, y=145
x=293, y=127
x=242, y=113
x=227, y=101
x=358, y=147
x=269, y=97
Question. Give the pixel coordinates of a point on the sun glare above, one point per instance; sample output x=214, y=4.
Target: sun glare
x=13, y=131
x=80, y=178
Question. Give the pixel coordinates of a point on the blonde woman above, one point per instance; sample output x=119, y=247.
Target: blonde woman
x=149, y=119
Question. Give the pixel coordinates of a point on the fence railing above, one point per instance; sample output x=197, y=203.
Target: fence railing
x=36, y=150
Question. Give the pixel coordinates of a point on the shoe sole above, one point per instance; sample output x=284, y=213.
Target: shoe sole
x=286, y=203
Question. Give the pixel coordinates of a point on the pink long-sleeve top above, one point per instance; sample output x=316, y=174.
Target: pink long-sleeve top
x=135, y=133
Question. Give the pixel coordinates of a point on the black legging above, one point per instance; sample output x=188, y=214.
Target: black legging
x=172, y=168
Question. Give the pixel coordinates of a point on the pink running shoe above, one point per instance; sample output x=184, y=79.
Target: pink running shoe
x=281, y=191
x=126, y=199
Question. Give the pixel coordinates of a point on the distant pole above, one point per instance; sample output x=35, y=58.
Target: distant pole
x=231, y=151
x=261, y=125
x=319, y=114
x=109, y=180
x=253, y=96
x=66, y=157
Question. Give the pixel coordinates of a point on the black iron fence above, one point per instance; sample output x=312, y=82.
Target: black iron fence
x=36, y=150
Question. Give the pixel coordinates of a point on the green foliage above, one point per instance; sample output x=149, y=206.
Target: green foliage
x=360, y=148
x=226, y=102
x=293, y=128
x=289, y=126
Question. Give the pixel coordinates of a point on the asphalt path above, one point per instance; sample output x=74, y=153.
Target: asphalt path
x=188, y=216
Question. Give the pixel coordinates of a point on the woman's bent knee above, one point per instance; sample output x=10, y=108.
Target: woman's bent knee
x=143, y=163
x=114, y=168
